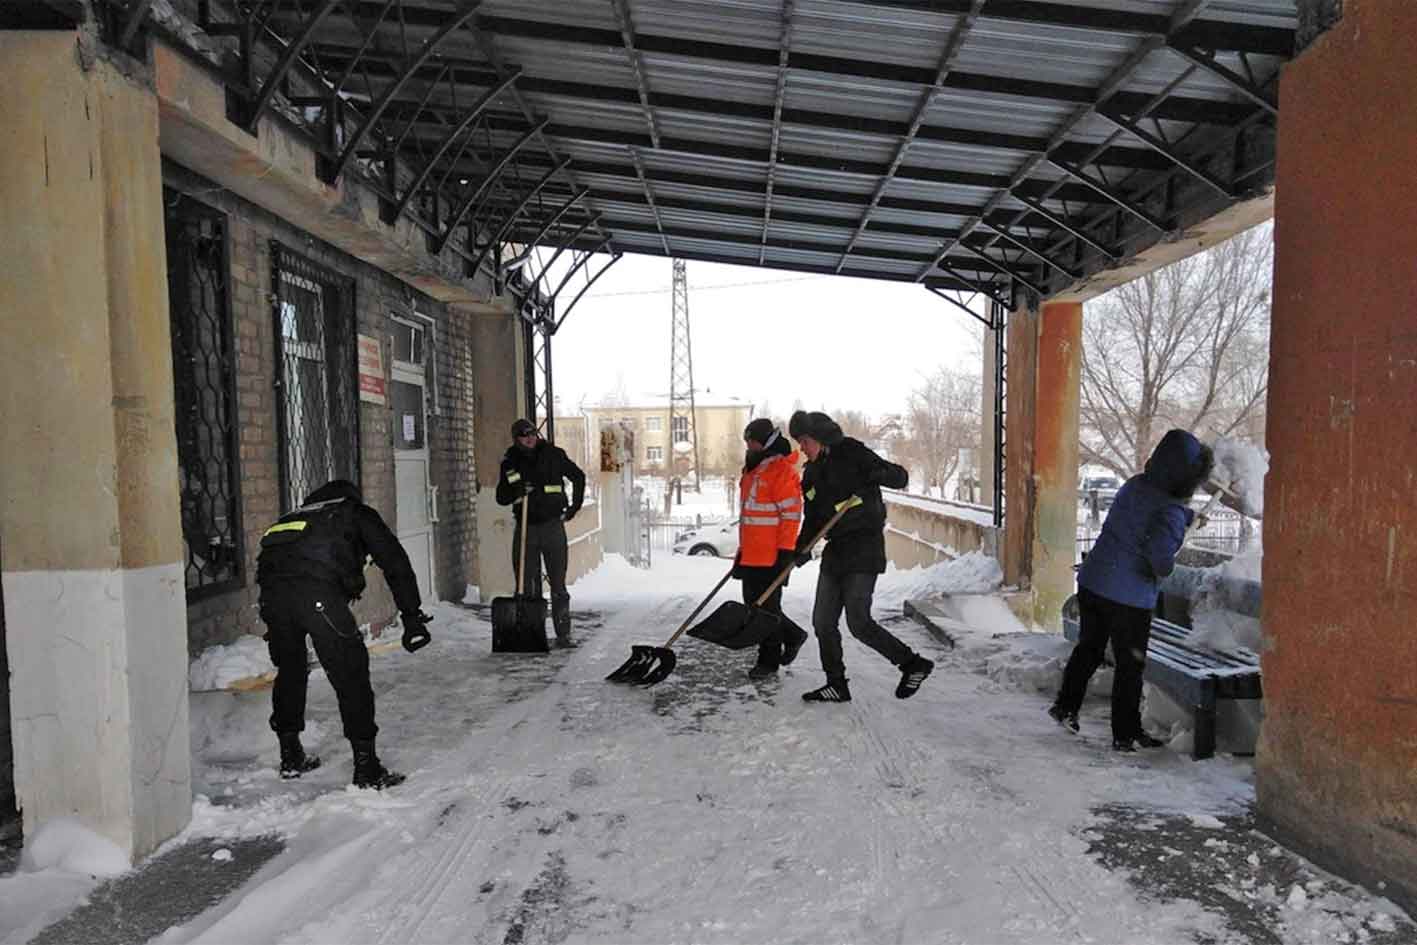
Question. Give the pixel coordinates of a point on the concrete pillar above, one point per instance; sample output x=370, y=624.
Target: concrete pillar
x=1017, y=546
x=93, y=571
x=1338, y=747
x=498, y=366
x=1041, y=440
x=1055, y=460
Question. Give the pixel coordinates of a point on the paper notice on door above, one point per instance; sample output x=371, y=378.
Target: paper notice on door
x=410, y=430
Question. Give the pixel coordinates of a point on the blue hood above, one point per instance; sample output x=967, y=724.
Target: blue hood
x=1179, y=464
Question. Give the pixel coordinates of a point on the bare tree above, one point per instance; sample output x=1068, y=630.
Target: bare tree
x=1184, y=346
x=941, y=420
x=858, y=424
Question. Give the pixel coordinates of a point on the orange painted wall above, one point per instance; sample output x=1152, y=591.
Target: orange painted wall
x=1337, y=764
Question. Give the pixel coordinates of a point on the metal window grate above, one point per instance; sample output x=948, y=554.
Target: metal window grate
x=204, y=390
x=318, y=413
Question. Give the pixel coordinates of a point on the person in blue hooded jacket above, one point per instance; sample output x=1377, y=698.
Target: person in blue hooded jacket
x=1117, y=583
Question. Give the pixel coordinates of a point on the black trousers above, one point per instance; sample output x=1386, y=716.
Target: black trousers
x=850, y=592
x=1128, y=629
x=293, y=612
x=755, y=581
x=545, y=542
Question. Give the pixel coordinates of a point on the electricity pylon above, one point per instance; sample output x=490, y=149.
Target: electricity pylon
x=683, y=438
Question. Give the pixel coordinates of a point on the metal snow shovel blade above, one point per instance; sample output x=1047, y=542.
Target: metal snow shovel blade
x=518, y=623
x=647, y=664
x=738, y=626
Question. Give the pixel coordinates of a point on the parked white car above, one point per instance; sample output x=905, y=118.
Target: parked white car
x=720, y=541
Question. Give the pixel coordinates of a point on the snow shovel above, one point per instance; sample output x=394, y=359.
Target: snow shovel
x=518, y=623
x=737, y=626
x=647, y=664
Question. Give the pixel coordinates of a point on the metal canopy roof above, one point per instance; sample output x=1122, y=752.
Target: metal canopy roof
x=986, y=145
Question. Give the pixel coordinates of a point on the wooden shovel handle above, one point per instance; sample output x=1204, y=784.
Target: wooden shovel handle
x=521, y=571
x=846, y=506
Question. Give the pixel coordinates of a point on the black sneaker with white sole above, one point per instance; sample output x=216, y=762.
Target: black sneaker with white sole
x=832, y=692
x=912, y=674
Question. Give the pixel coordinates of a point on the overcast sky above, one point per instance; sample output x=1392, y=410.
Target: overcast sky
x=760, y=334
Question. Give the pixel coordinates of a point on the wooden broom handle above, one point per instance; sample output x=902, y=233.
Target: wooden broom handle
x=846, y=506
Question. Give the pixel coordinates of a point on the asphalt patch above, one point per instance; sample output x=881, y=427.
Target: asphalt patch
x=166, y=891
x=1231, y=869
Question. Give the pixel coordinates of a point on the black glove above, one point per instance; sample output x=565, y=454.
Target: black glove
x=571, y=512
x=786, y=558
x=415, y=630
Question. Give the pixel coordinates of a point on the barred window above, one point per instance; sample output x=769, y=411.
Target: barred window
x=204, y=394
x=316, y=384
x=679, y=429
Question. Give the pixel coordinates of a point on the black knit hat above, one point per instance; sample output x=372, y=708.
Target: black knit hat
x=759, y=430
x=797, y=425
x=817, y=425
x=523, y=427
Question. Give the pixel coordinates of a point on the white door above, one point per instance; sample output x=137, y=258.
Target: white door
x=411, y=476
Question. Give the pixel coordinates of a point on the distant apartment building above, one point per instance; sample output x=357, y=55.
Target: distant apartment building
x=662, y=451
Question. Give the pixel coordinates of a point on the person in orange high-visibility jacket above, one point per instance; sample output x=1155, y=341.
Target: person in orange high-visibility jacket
x=770, y=515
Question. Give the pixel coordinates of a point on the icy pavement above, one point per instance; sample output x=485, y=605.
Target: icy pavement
x=546, y=805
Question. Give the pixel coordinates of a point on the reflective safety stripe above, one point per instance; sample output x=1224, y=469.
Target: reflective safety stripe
x=850, y=503
x=514, y=477
x=552, y=488
x=811, y=493
x=760, y=520
x=751, y=506
x=286, y=527
x=792, y=516
x=789, y=503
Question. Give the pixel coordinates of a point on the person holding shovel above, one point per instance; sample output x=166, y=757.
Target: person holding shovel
x=535, y=472
x=843, y=473
x=1117, y=583
x=770, y=516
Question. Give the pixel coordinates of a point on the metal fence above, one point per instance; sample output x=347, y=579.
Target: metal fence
x=1226, y=531
x=204, y=394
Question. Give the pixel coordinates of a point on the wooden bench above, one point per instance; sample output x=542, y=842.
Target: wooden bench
x=1194, y=677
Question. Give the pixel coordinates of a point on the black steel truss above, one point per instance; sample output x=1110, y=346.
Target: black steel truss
x=419, y=96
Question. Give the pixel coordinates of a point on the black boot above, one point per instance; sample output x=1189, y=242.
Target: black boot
x=833, y=691
x=790, y=648
x=762, y=670
x=369, y=771
x=1069, y=720
x=1143, y=740
x=293, y=760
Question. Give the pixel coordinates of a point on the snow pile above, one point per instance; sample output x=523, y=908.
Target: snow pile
x=975, y=573
x=1034, y=662
x=1240, y=466
x=220, y=666
x=65, y=844
x=1215, y=628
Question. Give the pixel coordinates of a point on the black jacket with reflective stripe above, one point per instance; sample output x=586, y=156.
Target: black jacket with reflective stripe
x=327, y=542
x=545, y=468
x=856, y=543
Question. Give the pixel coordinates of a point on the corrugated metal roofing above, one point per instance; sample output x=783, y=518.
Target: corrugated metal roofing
x=680, y=121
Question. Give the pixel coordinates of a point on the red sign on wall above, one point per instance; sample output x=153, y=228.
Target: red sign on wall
x=371, y=370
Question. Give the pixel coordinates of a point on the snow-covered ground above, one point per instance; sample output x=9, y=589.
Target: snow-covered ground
x=547, y=805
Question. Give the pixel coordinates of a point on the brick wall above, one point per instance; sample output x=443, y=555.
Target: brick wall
x=250, y=232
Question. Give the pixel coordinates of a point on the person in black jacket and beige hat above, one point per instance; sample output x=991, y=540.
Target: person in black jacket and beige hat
x=842, y=472
x=534, y=471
